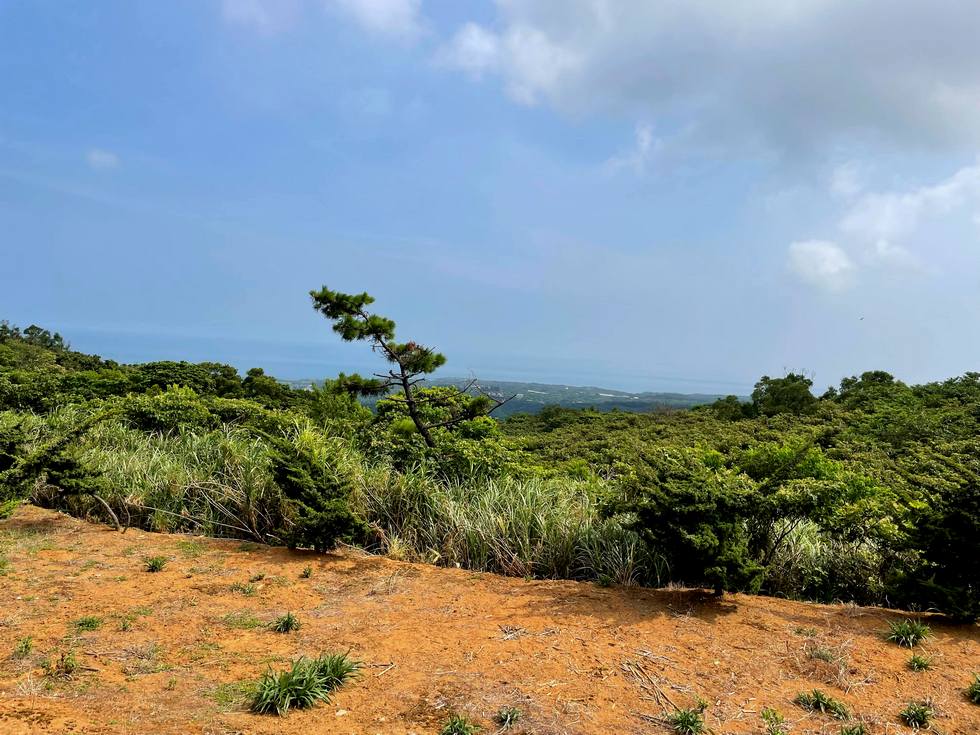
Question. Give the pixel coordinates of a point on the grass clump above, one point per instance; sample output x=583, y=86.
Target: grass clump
x=64, y=668
x=285, y=623
x=775, y=722
x=855, y=729
x=156, y=563
x=507, y=717
x=907, y=632
x=88, y=623
x=306, y=573
x=819, y=701
x=24, y=647
x=305, y=683
x=973, y=691
x=917, y=714
x=459, y=725
x=688, y=721
x=919, y=663
x=243, y=588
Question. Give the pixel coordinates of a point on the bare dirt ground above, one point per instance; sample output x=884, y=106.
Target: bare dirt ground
x=174, y=650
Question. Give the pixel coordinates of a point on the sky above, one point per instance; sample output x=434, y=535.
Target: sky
x=637, y=194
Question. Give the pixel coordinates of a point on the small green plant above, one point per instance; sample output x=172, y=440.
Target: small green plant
x=604, y=580
x=285, y=623
x=775, y=722
x=856, y=729
x=24, y=647
x=243, y=588
x=806, y=632
x=507, y=717
x=243, y=620
x=917, y=714
x=822, y=654
x=306, y=573
x=688, y=721
x=171, y=684
x=305, y=683
x=973, y=691
x=818, y=701
x=919, y=663
x=459, y=725
x=64, y=668
x=88, y=623
x=907, y=632
x=156, y=563
x=257, y=577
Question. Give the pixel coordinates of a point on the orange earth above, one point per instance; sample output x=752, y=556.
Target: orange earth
x=175, y=650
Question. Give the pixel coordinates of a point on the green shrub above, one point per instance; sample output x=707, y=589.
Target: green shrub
x=855, y=729
x=973, y=691
x=907, y=632
x=285, y=623
x=244, y=588
x=306, y=573
x=459, y=725
x=917, y=714
x=699, y=515
x=819, y=701
x=156, y=563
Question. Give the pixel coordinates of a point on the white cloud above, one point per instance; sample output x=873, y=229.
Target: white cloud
x=881, y=218
x=101, y=160
x=644, y=149
x=264, y=16
x=393, y=18
x=794, y=75
x=473, y=49
x=821, y=263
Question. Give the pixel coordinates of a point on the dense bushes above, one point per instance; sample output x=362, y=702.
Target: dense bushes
x=870, y=493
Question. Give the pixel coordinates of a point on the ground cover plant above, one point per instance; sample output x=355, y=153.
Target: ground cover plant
x=819, y=701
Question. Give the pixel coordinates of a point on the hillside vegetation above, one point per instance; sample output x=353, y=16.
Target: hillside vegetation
x=869, y=493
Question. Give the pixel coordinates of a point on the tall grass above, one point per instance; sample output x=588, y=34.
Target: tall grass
x=219, y=482
x=520, y=527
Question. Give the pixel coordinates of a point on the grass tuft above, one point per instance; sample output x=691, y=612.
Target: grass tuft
x=907, y=632
x=285, y=623
x=855, y=729
x=24, y=647
x=459, y=725
x=775, y=722
x=306, y=573
x=304, y=684
x=88, y=623
x=919, y=663
x=917, y=714
x=688, y=721
x=973, y=691
x=64, y=668
x=156, y=563
x=243, y=588
x=507, y=717
x=818, y=701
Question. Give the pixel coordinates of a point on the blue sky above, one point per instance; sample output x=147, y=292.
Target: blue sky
x=647, y=195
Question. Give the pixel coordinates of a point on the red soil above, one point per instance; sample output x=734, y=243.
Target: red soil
x=167, y=658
